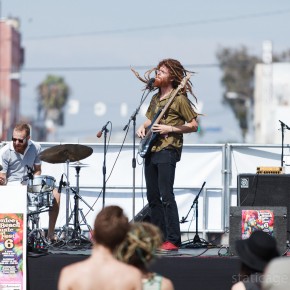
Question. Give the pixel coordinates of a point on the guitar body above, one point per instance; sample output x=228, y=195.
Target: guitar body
x=148, y=141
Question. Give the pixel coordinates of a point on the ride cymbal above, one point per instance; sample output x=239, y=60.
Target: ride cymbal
x=65, y=152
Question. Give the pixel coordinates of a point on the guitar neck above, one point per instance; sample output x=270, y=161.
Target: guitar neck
x=165, y=108
x=160, y=116
x=181, y=85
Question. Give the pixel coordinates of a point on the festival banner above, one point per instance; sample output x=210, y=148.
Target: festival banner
x=12, y=251
x=254, y=220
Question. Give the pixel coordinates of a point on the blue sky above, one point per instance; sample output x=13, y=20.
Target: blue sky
x=92, y=44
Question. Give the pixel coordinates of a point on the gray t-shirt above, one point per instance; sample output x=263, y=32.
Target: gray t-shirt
x=15, y=164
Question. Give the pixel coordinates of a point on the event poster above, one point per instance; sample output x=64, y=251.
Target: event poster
x=11, y=251
x=253, y=220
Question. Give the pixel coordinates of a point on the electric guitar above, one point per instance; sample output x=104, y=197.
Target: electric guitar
x=148, y=141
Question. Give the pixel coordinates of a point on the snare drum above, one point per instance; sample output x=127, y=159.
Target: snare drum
x=40, y=183
x=39, y=192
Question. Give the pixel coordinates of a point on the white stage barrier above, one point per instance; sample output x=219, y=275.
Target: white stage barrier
x=218, y=165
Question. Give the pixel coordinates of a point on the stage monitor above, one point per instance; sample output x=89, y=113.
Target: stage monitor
x=144, y=215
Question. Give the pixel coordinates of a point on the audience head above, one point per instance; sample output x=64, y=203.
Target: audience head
x=140, y=245
x=277, y=275
x=257, y=251
x=111, y=226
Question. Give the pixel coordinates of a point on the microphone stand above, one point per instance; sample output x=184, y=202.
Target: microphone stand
x=133, y=118
x=104, y=165
x=283, y=126
x=196, y=239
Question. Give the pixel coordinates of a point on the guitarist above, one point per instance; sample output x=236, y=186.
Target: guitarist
x=160, y=163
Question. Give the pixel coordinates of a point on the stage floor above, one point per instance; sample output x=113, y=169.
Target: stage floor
x=197, y=268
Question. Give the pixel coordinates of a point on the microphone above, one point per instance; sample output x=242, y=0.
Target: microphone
x=43, y=183
x=99, y=134
x=29, y=169
x=284, y=125
x=150, y=84
x=153, y=83
x=183, y=220
x=30, y=172
x=60, y=184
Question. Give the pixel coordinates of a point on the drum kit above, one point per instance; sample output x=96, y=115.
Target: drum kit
x=40, y=197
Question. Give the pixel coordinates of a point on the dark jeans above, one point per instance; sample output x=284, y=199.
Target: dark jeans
x=159, y=175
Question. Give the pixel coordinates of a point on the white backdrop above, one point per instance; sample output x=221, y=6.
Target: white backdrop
x=218, y=165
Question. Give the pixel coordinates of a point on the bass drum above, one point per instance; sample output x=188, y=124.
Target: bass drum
x=39, y=201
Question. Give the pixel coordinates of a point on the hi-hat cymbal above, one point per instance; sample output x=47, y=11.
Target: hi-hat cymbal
x=78, y=164
x=65, y=152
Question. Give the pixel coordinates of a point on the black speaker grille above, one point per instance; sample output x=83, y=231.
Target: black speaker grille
x=143, y=215
x=264, y=190
x=279, y=228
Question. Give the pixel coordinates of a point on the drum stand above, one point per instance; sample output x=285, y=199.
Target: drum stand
x=67, y=188
x=75, y=236
x=36, y=238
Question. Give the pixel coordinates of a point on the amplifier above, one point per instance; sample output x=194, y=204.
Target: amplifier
x=244, y=220
x=270, y=170
x=264, y=190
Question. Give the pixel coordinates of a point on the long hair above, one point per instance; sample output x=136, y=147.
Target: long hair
x=177, y=73
x=140, y=245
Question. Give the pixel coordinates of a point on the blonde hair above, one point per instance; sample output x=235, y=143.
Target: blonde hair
x=140, y=245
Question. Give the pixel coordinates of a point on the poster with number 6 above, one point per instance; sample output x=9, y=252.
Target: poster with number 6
x=12, y=238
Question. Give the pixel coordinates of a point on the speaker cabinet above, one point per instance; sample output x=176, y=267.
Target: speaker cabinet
x=143, y=215
x=246, y=219
x=264, y=190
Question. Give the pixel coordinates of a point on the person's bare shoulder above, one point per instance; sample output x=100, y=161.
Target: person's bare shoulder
x=167, y=284
x=64, y=280
x=68, y=276
x=134, y=280
x=238, y=286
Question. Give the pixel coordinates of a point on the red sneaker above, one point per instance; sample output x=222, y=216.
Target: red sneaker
x=168, y=246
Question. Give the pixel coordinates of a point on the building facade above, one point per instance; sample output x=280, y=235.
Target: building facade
x=272, y=103
x=11, y=60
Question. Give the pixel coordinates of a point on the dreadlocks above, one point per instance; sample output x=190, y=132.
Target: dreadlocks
x=177, y=72
x=140, y=246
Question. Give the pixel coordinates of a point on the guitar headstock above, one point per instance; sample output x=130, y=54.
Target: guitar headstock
x=184, y=81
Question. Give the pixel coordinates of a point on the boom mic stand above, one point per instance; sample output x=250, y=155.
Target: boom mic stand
x=197, y=243
x=149, y=88
x=283, y=127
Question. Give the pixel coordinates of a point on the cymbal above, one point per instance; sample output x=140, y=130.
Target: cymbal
x=65, y=152
x=78, y=164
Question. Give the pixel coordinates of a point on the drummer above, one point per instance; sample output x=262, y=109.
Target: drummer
x=21, y=157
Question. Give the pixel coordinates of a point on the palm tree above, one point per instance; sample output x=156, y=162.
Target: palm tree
x=53, y=94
